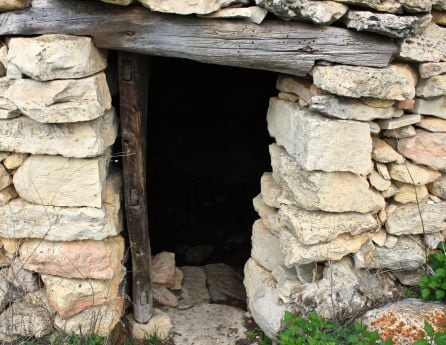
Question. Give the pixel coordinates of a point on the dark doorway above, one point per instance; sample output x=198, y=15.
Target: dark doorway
x=207, y=149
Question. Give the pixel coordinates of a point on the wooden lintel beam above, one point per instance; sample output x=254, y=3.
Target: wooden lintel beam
x=285, y=47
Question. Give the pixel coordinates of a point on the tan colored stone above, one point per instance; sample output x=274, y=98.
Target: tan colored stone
x=427, y=46
x=163, y=268
x=399, y=133
x=396, y=82
x=83, y=139
x=390, y=192
x=269, y=215
x=270, y=190
x=77, y=259
x=435, y=107
x=407, y=104
x=60, y=181
x=297, y=254
x=379, y=237
x=439, y=17
x=425, y=148
x=10, y=246
x=5, y=178
x=188, y=6
x=432, y=87
x=410, y=193
x=61, y=101
x=438, y=187
x=430, y=69
x=56, y=56
x=12, y=5
x=289, y=97
x=297, y=86
x=177, y=282
x=383, y=171
x=3, y=155
x=255, y=14
x=379, y=182
x=384, y=153
x=412, y=173
x=6, y=195
x=159, y=325
x=377, y=102
x=14, y=160
x=317, y=142
x=374, y=127
x=432, y=124
x=313, y=227
x=406, y=219
x=403, y=121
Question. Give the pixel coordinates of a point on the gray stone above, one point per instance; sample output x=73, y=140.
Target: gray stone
x=5, y=178
x=313, y=227
x=411, y=278
x=188, y=6
x=402, y=121
x=49, y=57
x=433, y=240
x=79, y=140
x=430, y=69
x=399, y=133
x=427, y=46
x=8, y=293
x=396, y=82
x=194, y=290
x=391, y=6
x=408, y=254
x=317, y=12
x=432, y=87
x=265, y=246
x=350, y=109
x=438, y=187
x=406, y=219
x=385, y=24
x=22, y=279
x=379, y=182
x=432, y=124
x=435, y=107
x=319, y=143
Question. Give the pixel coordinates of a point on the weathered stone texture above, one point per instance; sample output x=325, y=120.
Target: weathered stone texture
x=270, y=190
x=265, y=246
x=391, y=6
x=319, y=143
x=430, y=69
x=432, y=87
x=5, y=178
x=159, y=325
x=438, y=187
x=11, y=5
x=255, y=14
x=56, y=56
x=410, y=193
x=432, y=124
x=188, y=6
x=412, y=173
x=435, y=107
x=427, y=46
x=396, y=82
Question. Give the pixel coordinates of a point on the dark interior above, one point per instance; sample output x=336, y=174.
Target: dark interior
x=207, y=149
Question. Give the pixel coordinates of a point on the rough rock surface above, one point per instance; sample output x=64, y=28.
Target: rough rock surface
x=188, y=6
x=79, y=140
x=430, y=69
x=312, y=227
x=163, y=268
x=395, y=82
x=265, y=246
x=391, y=6
x=165, y=297
x=77, y=259
x=270, y=190
x=438, y=187
x=22, y=279
x=56, y=56
x=412, y=173
x=159, y=325
x=432, y=124
x=384, y=153
x=319, y=143
x=61, y=101
x=11, y=5
x=432, y=87
x=435, y=107
x=427, y=46
x=194, y=290
x=410, y=193
x=317, y=12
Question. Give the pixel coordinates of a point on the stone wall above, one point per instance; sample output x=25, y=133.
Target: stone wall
x=356, y=197
x=60, y=199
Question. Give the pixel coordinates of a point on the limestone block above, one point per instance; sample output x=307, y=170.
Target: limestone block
x=12, y=5
x=412, y=173
x=399, y=133
x=410, y=193
x=297, y=86
x=408, y=254
x=417, y=5
x=270, y=190
x=432, y=87
x=317, y=142
x=21, y=219
x=379, y=237
x=69, y=297
x=427, y=46
x=5, y=178
x=402, y=121
x=159, y=325
x=265, y=246
x=77, y=259
x=374, y=127
x=14, y=160
x=287, y=96
x=390, y=192
x=350, y=109
x=255, y=14
x=425, y=148
x=435, y=107
x=430, y=69
x=268, y=214
x=79, y=140
x=383, y=171
x=263, y=301
x=432, y=124
x=384, y=153
x=396, y=82
x=61, y=181
x=99, y=320
x=433, y=240
x=8, y=110
x=385, y=24
x=313, y=227
x=379, y=182
x=317, y=190
x=297, y=254
x=406, y=219
x=163, y=268
x=403, y=321
x=317, y=12
x=61, y=101
x=391, y=6
x=6, y=195
x=188, y=6
x=56, y=56
x=438, y=187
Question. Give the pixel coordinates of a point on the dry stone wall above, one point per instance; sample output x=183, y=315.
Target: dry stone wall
x=60, y=201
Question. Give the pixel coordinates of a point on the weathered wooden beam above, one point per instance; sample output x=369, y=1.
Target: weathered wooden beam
x=287, y=47
x=133, y=91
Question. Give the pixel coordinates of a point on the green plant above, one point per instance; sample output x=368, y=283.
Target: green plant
x=433, y=287
x=432, y=337
x=258, y=335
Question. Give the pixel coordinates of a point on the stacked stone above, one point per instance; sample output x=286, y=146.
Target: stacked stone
x=357, y=194
x=60, y=203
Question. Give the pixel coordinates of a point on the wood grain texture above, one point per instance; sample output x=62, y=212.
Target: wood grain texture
x=133, y=92
x=286, y=47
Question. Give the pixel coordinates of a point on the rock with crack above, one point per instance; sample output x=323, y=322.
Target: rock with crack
x=412, y=173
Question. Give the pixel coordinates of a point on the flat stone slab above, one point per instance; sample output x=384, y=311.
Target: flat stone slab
x=427, y=46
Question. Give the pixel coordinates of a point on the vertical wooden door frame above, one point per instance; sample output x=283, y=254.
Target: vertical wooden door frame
x=133, y=72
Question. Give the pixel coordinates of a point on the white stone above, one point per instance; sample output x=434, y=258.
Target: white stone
x=430, y=69
x=383, y=171
x=427, y=46
x=412, y=173
x=350, y=108
x=14, y=160
x=255, y=14
x=297, y=86
x=313, y=227
x=433, y=240
x=432, y=87
x=396, y=82
x=56, y=56
x=382, y=152
x=159, y=325
x=188, y=6
x=265, y=246
x=5, y=178
x=391, y=6
x=270, y=190
x=390, y=192
x=6, y=195
x=61, y=181
x=406, y=219
x=410, y=193
x=435, y=107
x=297, y=254
x=11, y=5
x=83, y=139
x=317, y=190
x=61, y=101
x=317, y=142
x=402, y=121
x=379, y=182
x=399, y=133
x=269, y=215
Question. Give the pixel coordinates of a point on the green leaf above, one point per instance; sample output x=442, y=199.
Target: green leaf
x=425, y=293
x=429, y=329
x=439, y=294
x=421, y=342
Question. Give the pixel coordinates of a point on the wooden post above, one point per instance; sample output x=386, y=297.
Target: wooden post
x=133, y=92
